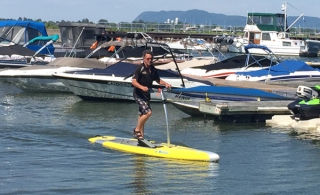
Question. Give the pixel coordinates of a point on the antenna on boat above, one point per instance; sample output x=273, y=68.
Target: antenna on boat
x=284, y=8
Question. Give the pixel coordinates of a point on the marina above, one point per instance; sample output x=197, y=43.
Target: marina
x=227, y=120
x=46, y=136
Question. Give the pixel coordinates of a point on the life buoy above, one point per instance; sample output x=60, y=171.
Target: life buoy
x=281, y=35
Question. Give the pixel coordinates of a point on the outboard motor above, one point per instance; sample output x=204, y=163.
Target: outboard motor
x=306, y=93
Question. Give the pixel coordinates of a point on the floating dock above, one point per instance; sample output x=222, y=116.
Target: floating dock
x=247, y=111
x=239, y=111
x=234, y=111
x=288, y=121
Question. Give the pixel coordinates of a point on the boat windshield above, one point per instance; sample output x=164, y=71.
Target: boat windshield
x=267, y=20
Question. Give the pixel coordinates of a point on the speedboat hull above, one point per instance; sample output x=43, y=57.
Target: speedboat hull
x=102, y=87
x=38, y=84
x=38, y=78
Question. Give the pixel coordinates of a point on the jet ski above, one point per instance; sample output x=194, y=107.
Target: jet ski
x=307, y=105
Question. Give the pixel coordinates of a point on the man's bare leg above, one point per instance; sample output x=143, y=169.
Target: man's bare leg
x=142, y=119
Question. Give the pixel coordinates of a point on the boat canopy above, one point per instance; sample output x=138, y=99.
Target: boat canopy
x=21, y=32
x=283, y=68
x=267, y=21
x=255, y=46
x=31, y=24
x=80, y=35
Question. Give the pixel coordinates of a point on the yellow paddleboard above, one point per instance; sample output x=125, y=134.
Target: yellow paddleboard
x=160, y=150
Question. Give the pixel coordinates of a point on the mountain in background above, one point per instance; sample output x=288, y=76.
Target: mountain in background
x=199, y=17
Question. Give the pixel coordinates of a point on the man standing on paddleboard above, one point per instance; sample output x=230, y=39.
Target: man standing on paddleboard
x=142, y=80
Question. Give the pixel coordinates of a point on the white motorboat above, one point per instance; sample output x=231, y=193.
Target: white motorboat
x=20, y=32
x=271, y=30
x=288, y=72
x=189, y=44
x=231, y=65
x=114, y=82
x=38, y=78
x=17, y=56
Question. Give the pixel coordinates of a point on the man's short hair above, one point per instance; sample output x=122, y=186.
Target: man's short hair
x=147, y=52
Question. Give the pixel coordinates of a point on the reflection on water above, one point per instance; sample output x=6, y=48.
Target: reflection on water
x=305, y=134
x=140, y=184
x=312, y=135
x=173, y=174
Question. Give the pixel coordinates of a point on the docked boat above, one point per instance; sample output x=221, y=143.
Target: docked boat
x=271, y=30
x=114, y=82
x=38, y=78
x=18, y=32
x=17, y=56
x=189, y=44
x=228, y=66
x=288, y=72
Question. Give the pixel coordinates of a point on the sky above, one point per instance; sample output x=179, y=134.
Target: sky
x=116, y=11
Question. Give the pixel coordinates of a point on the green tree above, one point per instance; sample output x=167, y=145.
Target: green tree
x=102, y=21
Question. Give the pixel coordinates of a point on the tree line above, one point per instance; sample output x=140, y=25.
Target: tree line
x=54, y=24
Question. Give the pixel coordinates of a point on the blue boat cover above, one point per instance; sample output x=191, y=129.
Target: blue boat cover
x=228, y=90
x=255, y=46
x=34, y=25
x=283, y=68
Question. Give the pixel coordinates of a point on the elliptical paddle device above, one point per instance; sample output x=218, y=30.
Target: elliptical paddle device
x=163, y=150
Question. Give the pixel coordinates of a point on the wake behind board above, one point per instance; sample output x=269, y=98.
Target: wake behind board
x=159, y=150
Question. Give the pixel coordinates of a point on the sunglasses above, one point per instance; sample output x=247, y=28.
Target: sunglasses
x=149, y=58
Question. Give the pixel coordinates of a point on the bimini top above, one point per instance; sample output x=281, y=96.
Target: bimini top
x=32, y=30
x=31, y=24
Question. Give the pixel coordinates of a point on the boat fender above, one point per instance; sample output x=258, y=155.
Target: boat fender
x=230, y=41
x=247, y=77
